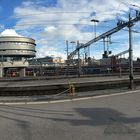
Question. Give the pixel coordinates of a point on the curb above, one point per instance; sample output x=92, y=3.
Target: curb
x=11, y=102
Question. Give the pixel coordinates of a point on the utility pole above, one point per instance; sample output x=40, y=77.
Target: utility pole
x=67, y=45
x=131, y=75
x=78, y=59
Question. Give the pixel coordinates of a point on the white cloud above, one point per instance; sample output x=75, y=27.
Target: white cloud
x=47, y=50
x=9, y=32
x=136, y=51
x=50, y=29
x=49, y=25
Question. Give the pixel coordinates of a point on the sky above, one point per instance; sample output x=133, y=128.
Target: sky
x=52, y=22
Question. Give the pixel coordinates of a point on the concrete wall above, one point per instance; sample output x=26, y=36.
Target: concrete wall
x=15, y=64
x=1, y=72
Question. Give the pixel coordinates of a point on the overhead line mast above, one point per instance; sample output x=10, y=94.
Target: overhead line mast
x=120, y=26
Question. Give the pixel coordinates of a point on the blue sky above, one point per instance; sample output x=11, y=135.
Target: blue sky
x=52, y=22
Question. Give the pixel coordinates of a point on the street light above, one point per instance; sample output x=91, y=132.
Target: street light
x=134, y=5
x=40, y=67
x=78, y=49
x=95, y=21
x=94, y=28
x=68, y=60
x=79, y=64
x=67, y=45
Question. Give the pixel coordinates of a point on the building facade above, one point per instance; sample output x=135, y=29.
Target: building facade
x=14, y=52
x=47, y=61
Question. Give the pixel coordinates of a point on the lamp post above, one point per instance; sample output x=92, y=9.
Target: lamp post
x=95, y=21
x=68, y=60
x=40, y=72
x=67, y=48
x=79, y=67
x=94, y=29
x=135, y=5
x=78, y=63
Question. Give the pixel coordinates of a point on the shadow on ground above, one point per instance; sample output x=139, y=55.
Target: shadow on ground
x=79, y=116
x=99, y=116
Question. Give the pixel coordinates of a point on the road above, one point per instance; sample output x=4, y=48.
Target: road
x=105, y=118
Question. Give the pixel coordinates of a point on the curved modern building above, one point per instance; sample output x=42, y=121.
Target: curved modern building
x=19, y=47
x=14, y=52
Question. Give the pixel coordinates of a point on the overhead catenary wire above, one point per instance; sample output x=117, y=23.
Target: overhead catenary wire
x=134, y=31
x=57, y=12
x=64, y=24
x=59, y=22
x=16, y=16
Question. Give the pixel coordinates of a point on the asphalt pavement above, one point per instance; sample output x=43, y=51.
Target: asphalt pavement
x=104, y=118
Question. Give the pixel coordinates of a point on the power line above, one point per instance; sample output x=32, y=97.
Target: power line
x=58, y=12
x=134, y=31
x=60, y=23
x=49, y=13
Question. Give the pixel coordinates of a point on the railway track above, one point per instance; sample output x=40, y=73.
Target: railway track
x=55, y=88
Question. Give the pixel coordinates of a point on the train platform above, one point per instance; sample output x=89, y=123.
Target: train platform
x=26, y=82
x=54, y=86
